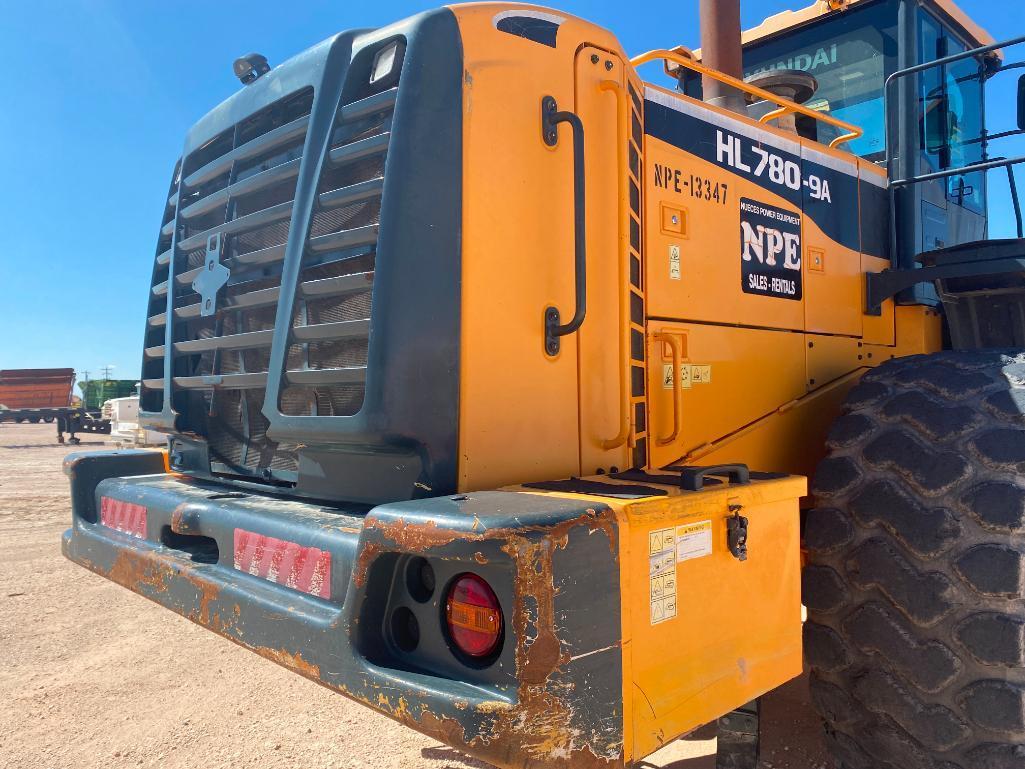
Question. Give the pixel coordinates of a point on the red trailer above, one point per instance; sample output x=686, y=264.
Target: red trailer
x=44, y=395
x=36, y=388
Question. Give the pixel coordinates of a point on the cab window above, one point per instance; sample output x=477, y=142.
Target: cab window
x=950, y=109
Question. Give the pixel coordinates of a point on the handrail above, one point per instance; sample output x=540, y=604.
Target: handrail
x=551, y=116
x=623, y=210
x=853, y=132
x=901, y=73
x=888, y=129
x=677, y=357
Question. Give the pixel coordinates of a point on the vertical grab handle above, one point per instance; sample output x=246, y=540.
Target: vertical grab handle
x=674, y=345
x=551, y=116
x=622, y=127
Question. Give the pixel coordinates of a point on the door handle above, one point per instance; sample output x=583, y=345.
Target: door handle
x=551, y=117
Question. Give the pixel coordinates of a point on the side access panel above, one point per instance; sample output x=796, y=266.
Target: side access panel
x=729, y=377
x=709, y=631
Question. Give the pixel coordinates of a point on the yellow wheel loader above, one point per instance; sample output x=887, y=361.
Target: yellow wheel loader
x=492, y=375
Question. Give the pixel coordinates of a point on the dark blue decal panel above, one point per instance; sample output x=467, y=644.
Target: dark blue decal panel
x=831, y=202
x=770, y=250
x=827, y=196
x=875, y=220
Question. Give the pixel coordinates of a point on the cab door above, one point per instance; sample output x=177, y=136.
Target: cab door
x=608, y=111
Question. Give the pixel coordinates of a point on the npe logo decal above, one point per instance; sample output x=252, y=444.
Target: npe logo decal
x=770, y=256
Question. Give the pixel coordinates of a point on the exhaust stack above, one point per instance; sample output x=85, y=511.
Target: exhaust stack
x=721, y=49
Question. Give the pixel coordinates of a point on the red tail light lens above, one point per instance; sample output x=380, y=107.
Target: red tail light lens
x=474, y=616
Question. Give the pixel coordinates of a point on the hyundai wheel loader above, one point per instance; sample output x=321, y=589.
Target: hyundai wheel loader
x=492, y=375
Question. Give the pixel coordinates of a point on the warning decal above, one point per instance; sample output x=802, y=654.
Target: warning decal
x=770, y=250
x=693, y=540
x=662, y=574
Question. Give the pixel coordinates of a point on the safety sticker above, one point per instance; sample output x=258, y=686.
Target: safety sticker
x=693, y=540
x=674, y=262
x=662, y=544
x=686, y=375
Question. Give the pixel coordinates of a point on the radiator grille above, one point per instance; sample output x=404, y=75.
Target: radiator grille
x=230, y=206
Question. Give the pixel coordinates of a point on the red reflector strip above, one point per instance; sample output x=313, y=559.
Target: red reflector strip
x=301, y=568
x=126, y=517
x=477, y=618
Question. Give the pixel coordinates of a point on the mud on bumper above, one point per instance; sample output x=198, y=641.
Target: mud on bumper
x=318, y=590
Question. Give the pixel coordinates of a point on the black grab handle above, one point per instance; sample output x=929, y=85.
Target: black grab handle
x=693, y=478
x=550, y=119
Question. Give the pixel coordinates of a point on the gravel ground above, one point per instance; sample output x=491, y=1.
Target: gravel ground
x=92, y=675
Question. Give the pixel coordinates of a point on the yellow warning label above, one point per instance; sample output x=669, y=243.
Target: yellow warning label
x=701, y=374
x=693, y=540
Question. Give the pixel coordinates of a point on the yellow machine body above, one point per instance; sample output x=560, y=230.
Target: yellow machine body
x=763, y=358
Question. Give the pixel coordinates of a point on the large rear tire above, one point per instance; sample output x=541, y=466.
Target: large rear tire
x=916, y=575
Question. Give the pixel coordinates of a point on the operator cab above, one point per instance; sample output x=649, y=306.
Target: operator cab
x=851, y=48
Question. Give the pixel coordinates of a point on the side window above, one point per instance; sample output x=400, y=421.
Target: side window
x=950, y=114
x=931, y=107
x=963, y=87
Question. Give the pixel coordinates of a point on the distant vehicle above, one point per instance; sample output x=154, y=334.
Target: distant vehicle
x=123, y=414
x=45, y=395
x=96, y=392
x=36, y=388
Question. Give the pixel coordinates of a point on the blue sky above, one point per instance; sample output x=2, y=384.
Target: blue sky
x=99, y=94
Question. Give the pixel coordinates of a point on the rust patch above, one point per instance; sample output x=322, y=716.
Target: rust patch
x=537, y=657
x=133, y=568
x=208, y=593
x=421, y=537
x=289, y=660
x=178, y=523
x=508, y=749
x=367, y=555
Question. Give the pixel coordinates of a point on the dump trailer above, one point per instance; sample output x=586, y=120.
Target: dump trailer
x=36, y=388
x=492, y=376
x=44, y=395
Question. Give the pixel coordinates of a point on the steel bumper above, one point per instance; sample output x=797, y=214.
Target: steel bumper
x=314, y=589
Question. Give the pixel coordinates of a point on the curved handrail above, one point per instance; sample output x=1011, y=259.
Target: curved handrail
x=677, y=357
x=853, y=132
x=622, y=130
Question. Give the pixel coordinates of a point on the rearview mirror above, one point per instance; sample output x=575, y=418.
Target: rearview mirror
x=1021, y=102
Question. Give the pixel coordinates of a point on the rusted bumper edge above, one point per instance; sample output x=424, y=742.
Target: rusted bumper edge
x=318, y=591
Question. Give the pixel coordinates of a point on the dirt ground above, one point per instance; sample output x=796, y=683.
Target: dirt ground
x=92, y=675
